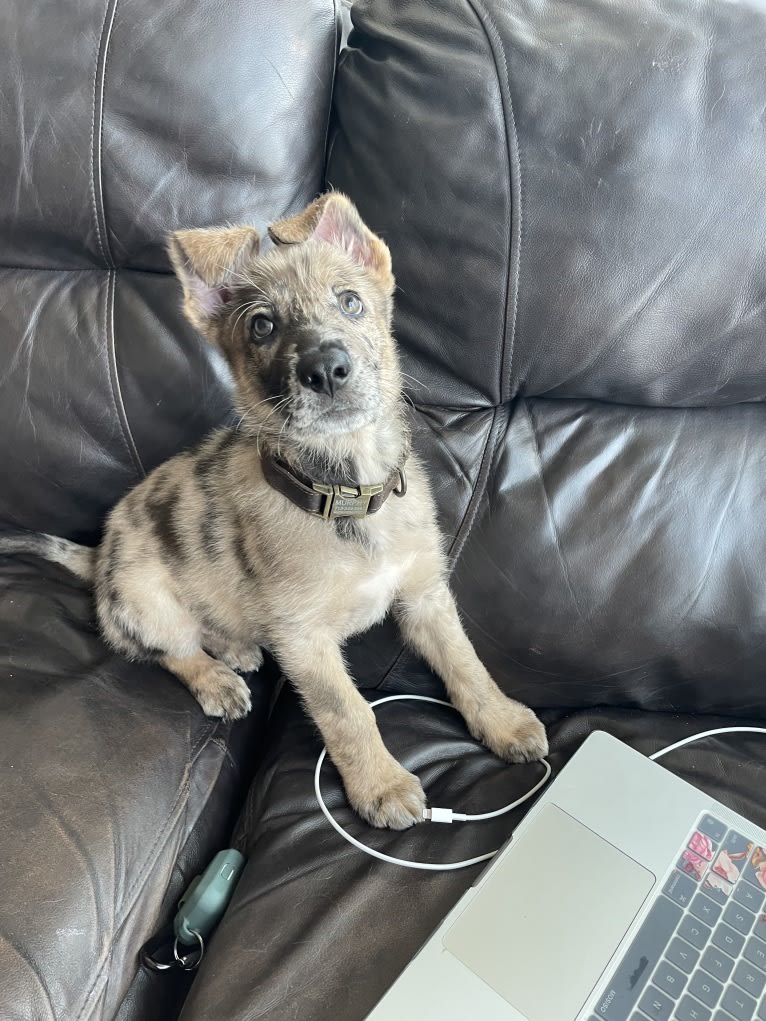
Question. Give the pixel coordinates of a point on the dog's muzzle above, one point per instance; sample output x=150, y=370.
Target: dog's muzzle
x=324, y=369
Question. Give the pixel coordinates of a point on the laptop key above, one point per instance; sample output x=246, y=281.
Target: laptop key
x=669, y=979
x=627, y=983
x=690, y=1010
x=656, y=1005
x=755, y=952
x=705, y=909
x=762, y=1011
x=749, y=978
x=692, y=864
x=684, y=956
x=717, y=963
x=717, y=889
x=725, y=938
x=760, y=927
x=738, y=847
x=701, y=845
x=749, y=897
x=680, y=888
x=694, y=932
x=754, y=872
x=740, y=1005
x=739, y=918
x=708, y=990
x=712, y=828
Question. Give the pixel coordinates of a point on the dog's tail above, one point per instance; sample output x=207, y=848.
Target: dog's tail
x=80, y=560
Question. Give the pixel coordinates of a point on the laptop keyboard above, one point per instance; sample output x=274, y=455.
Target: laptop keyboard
x=700, y=954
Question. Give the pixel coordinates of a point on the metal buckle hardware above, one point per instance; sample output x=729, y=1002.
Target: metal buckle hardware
x=346, y=501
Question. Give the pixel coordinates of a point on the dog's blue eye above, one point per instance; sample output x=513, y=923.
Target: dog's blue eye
x=350, y=303
x=261, y=327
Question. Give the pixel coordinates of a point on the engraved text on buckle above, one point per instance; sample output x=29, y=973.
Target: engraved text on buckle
x=346, y=501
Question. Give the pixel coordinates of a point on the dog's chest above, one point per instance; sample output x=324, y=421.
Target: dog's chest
x=374, y=594
x=363, y=596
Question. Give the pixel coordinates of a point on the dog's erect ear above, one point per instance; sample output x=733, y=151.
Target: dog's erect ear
x=333, y=218
x=207, y=261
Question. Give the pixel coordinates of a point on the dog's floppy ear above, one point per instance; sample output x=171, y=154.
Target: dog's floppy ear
x=334, y=218
x=206, y=261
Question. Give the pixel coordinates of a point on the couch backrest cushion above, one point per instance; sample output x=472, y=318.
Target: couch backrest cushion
x=573, y=193
x=120, y=123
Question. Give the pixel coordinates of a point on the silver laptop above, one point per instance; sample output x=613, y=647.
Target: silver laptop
x=624, y=895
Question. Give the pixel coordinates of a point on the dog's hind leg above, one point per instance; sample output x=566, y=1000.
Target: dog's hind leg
x=244, y=658
x=216, y=687
x=141, y=616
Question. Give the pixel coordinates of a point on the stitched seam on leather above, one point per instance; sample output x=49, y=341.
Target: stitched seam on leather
x=478, y=491
x=552, y=520
x=514, y=164
x=111, y=355
x=465, y=525
x=511, y=151
x=96, y=134
x=183, y=791
x=149, y=861
x=335, y=54
x=154, y=273
x=224, y=748
x=93, y=137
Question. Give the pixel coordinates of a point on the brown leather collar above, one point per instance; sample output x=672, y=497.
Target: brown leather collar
x=331, y=501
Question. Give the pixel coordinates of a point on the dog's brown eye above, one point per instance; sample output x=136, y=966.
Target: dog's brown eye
x=261, y=327
x=350, y=303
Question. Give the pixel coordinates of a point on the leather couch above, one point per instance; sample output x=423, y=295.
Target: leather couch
x=573, y=197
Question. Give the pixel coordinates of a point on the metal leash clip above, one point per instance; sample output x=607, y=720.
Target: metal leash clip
x=181, y=944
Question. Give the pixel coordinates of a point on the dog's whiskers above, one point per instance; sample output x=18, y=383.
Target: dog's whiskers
x=281, y=404
x=279, y=438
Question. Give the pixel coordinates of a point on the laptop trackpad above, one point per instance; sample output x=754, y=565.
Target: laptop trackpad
x=544, y=925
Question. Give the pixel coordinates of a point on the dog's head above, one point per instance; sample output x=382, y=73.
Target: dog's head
x=305, y=325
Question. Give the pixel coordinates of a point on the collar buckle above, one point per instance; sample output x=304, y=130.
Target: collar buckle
x=345, y=501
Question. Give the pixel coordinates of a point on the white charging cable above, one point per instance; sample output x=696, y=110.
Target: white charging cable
x=707, y=733
x=446, y=815
x=443, y=815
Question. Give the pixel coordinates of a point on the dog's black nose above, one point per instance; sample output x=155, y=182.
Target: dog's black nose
x=324, y=370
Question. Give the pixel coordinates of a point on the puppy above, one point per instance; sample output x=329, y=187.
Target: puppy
x=307, y=523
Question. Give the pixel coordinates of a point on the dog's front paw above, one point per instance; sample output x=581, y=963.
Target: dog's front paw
x=222, y=693
x=245, y=661
x=511, y=731
x=396, y=804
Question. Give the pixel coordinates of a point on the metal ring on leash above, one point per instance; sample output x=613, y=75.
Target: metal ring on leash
x=184, y=962
x=155, y=965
